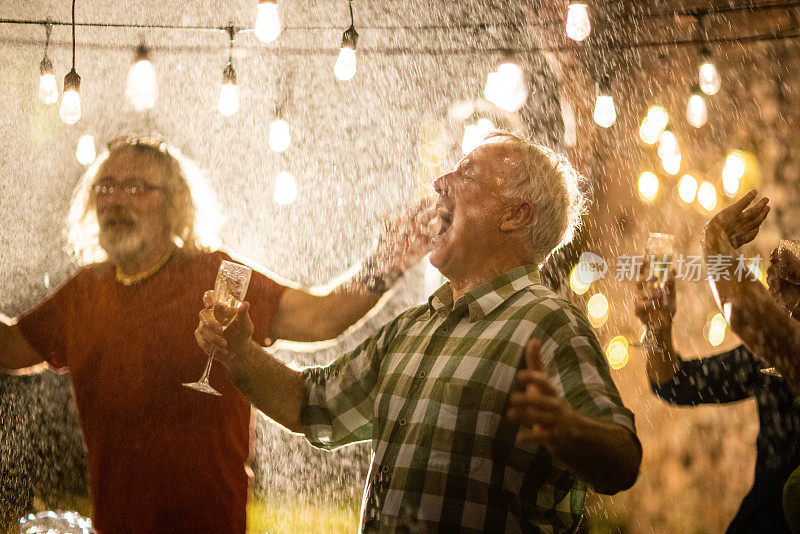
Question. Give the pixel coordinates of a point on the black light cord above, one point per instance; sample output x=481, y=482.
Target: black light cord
x=352, y=22
x=73, y=34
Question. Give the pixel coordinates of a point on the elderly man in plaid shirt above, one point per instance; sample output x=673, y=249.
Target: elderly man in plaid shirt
x=491, y=407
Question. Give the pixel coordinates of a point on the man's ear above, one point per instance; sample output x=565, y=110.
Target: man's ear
x=516, y=217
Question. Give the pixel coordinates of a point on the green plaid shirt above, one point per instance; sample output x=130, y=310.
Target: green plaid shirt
x=430, y=390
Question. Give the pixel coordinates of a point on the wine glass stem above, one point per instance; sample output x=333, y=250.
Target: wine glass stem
x=204, y=378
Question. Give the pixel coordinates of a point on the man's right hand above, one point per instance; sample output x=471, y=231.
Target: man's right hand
x=655, y=304
x=228, y=344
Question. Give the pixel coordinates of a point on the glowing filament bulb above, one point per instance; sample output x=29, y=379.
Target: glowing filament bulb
x=48, y=90
x=141, y=88
x=268, y=22
x=345, y=67
x=228, y=103
x=70, y=110
x=696, y=109
x=285, y=189
x=605, y=113
x=578, y=25
x=85, y=152
x=710, y=81
x=279, y=135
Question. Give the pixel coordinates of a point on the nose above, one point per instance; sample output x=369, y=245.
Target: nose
x=440, y=185
x=113, y=198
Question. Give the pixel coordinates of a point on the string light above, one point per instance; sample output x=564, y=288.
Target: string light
x=707, y=196
x=345, y=67
x=696, y=109
x=280, y=137
x=669, y=152
x=732, y=173
x=141, y=89
x=578, y=25
x=228, y=103
x=687, y=188
x=48, y=90
x=617, y=352
x=285, y=189
x=86, y=152
x=505, y=87
x=268, y=22
x=605, y=113
x=70, y=110
x=597, y=310
x=653, y=124
x=648, y=186
x=709, y=79
x=474, y=134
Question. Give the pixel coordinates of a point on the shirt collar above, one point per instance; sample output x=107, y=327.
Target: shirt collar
x=484, y=299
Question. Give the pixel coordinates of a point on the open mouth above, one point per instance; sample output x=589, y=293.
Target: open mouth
x=118, y=223
x=446, y=218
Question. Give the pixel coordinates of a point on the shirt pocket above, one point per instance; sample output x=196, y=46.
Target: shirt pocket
x=466, y=425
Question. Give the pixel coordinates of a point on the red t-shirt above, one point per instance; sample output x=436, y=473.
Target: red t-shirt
x=162, y=457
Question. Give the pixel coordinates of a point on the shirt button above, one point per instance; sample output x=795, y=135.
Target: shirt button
x=444, y=330
x=422, y=374
x=385, y=469
x=402, y=422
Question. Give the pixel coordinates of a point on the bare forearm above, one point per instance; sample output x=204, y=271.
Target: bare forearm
x=606, y=455
x=271, y=386
x=15, y=352
x=662, y=360
x=344, y=307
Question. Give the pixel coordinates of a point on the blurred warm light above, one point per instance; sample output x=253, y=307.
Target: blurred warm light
x=285, y=189
x=280, y=137
x=345, y=67
x=505, y=88
x=578, y=25
x=648, y=186
x=268, y=21
x=732, y=173
x=597, y=310
x=672, y=164
x=48, y=89
x=85, y=152
x=617, y=352
x=757, y=272
x=696, y=109
x=716, y=330
x=709, y=79
x=576, y=283
x=653, y=124
x=141, y=88
x=474, y=134
x=605, y=113
x=667, y=144
x=687, y=188
x=707, y=196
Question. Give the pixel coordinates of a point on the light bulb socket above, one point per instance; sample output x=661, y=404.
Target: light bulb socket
x=268, y=2
x=604, y=86
x=142, y=53
x=350, y=38
x=229, y=75
x=46, y=67
x=705, y=55
x=578, y=3
x=695, y=90
x=72, y=82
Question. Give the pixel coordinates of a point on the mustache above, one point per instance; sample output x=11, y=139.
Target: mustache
x=117, y=215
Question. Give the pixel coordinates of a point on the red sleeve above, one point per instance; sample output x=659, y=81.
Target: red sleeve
x=43, y=327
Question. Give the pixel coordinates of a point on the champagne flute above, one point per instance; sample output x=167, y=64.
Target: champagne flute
x=229, y=291
x=660, y=250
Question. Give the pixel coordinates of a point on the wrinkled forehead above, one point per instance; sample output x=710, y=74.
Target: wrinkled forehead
x=129, y=164
x=495, y=156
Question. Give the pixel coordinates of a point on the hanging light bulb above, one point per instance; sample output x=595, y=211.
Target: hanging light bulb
x=345, y=67
x=229, y=92
x=707, y=196
x=85, y=152
x=696, y=109
x=285, y=189
x=505, y=88
x=710, y=81
x=279, y=135
x=48, y=90
x=474, y=134
x=605, y=113
x=653, y=124
x=141, y=88
x=732, y=173
x=648, y=186
x=268, y=22
x=687, y=188
x=70, y=111
x=578, y=25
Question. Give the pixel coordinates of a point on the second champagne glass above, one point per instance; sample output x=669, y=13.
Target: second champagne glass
x=229, y=291
x=660, y=250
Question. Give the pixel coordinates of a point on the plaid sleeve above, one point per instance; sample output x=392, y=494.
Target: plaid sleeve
x=340, y=397
x=574, y=362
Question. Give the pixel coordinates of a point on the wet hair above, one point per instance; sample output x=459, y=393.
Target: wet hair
x=552, y=186
x=193, y=216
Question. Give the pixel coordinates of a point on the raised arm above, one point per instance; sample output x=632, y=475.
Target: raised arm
x=303, y=316
x=15, y=352
x=753, y=314
x=655, y=306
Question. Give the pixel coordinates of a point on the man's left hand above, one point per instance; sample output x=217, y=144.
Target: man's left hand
x=740, y=222
x=543, y=415
x=405, y=240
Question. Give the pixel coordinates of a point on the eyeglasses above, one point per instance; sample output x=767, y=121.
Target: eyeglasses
x=132, y=189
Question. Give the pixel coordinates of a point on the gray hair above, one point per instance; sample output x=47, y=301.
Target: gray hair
x=548, y=181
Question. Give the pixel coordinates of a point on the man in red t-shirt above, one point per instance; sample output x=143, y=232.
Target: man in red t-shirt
x=162, y=457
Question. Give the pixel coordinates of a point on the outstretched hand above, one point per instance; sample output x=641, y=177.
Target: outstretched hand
x=740, y=222
x=223, y=344
x=405, y=240
x=541, y=413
